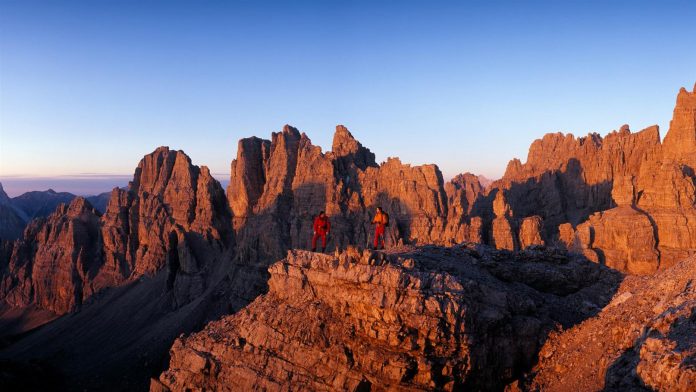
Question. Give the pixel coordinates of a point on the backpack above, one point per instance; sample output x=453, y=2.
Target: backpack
x=386, y=218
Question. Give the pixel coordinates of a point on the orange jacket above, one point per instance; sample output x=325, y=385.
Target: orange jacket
x=381, y=219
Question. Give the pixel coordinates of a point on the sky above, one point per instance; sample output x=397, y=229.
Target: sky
x=88, y=88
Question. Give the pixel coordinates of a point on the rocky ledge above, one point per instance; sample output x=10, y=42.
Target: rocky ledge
x=425, y=318
x=643, y=340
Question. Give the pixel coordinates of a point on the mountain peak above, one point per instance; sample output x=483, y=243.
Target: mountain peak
x=80, y=205
x=680, y=141
x=289, y=129
x=345, y=145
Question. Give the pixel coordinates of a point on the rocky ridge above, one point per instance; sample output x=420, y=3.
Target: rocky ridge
x=64, y=259
x=586, y=194
x=614, y=199
x=643, y=340
x=157, y=263
x=277, y=186
x=409, y=319
x=17, y=212
x=173, y=244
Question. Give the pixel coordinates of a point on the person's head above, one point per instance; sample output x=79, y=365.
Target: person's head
x=322, y=214
x=379, y=209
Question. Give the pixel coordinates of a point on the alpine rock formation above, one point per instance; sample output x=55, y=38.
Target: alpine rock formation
x=155, y=264
x=180, y=285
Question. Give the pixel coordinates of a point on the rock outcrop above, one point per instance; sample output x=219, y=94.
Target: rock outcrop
x=414, y=319
x=565, y=179
x=503, y=232
x=530, y=232
x=680, y=141
x=75, y=252
x=463, y=225
x=654, y=217
x=17, y=212
x=50, y=265
x=157, y=263
x=624, y=200
x=277, y=186
x=642, y=340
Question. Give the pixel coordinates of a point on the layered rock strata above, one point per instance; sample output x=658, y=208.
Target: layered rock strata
x=414, y=319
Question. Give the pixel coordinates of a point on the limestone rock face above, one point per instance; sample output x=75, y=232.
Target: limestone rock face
x=277, y=186
x=625, y=200
x=651, y=227
x=392, y=321
x=565, y=179
x=463, y=225
x=75, y=252
x=622, y=238
x=623, y=191
x=530, y=232
x=642, y=340
x=680, y=141
x=49, y=267
x=349, y=151
x=503, y=233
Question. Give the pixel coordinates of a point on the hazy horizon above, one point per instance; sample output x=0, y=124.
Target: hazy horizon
x=79, y=184
x=93, y=87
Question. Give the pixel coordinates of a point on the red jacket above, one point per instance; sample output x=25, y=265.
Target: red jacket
x=322, y=225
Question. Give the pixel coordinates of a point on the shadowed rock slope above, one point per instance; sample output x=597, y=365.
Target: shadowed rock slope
x=411, y=319
x=157, y=263
x=643, y=340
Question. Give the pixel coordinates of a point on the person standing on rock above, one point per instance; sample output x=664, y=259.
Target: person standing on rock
x=381, y=221
x=322, y=228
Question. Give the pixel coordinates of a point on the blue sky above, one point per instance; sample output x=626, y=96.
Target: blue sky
x=91, y=87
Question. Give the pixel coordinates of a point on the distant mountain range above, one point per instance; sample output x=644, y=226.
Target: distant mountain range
x=17, y=212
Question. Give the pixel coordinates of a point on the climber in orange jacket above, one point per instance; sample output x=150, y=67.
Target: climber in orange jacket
x=322, y=228
x=381, y=219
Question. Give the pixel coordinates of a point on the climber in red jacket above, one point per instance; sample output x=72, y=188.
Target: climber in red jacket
x=322, y=228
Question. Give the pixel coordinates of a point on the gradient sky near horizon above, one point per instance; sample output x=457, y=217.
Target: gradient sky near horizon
x=88, y=88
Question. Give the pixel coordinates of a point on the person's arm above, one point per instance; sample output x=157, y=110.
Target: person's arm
x=328, y=226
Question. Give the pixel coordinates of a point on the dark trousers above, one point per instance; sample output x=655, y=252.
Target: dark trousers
x=379, y=235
